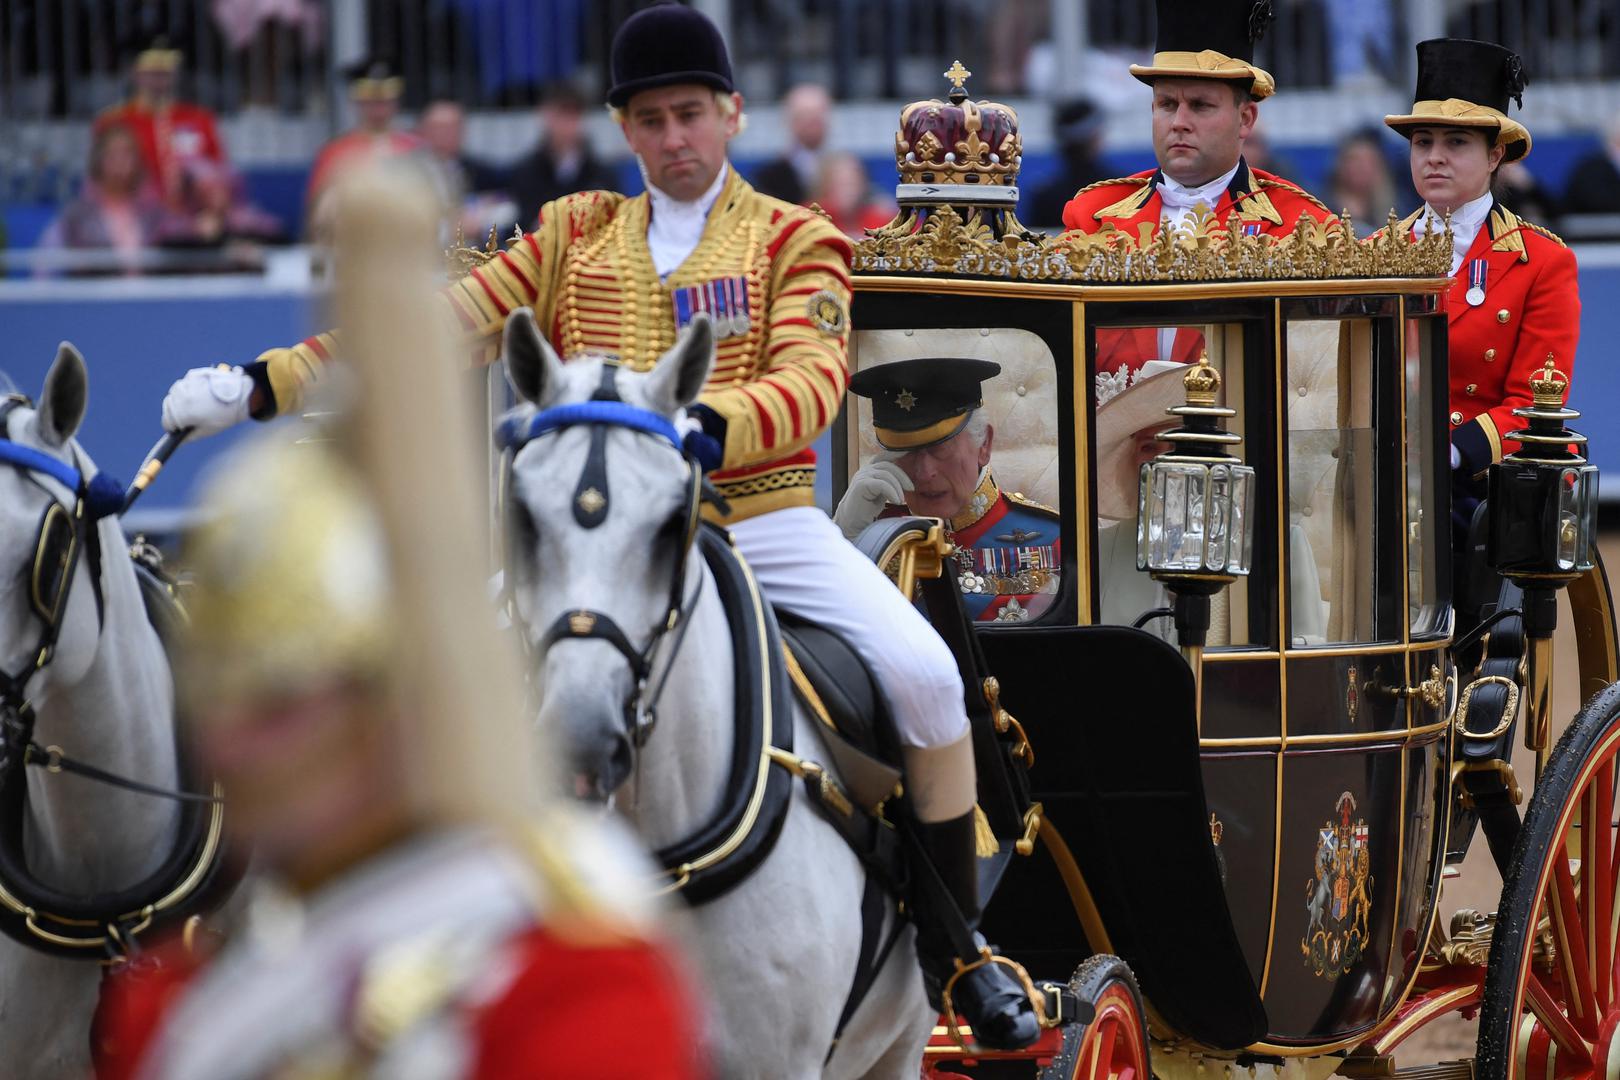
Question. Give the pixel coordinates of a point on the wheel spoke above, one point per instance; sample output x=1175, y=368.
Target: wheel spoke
x=1545, y=1007
x=1099, y=1060
x=1597, y=888
x=1570, y=939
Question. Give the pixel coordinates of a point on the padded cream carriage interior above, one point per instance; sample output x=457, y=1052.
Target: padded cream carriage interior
x=1020, y=403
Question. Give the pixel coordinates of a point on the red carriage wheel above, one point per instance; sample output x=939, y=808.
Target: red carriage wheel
x=1114, y=1046
x=1552, y=1000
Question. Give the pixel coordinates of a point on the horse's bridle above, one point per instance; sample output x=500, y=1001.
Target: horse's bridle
x=62, y=537
x=591, y=503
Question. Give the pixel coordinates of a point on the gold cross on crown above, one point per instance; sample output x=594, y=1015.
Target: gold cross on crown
x=958, y=75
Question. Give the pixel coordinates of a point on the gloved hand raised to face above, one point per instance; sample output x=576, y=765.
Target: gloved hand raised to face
x=873, y=487
x=208, y=400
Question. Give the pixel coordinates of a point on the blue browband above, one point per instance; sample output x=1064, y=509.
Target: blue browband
x=516, y=431
x=26, y=457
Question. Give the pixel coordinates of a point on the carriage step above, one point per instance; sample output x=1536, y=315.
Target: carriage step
x=1369, y=1067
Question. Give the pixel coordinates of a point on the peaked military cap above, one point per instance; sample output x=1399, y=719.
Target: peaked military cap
x=1463, y=83
x=923, y=401
x=1210, y=39
x=665, y=45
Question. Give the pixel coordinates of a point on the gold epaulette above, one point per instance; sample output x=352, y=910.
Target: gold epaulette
x=1544, y=231
x=1134, y=181
x=1505, y=230
x=1297, y=190
x=1021, y=499
x=1120, y=208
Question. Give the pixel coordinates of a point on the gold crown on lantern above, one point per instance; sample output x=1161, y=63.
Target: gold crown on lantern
x=1548, y=386
x=958, y=141
x=1202, y=382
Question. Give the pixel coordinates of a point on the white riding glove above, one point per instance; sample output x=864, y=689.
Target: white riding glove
x=208, y=400
x=873, y=487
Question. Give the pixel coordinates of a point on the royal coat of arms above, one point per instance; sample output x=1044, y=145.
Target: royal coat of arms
x=1338, y=900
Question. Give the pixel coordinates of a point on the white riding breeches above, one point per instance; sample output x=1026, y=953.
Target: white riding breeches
x=805, y=566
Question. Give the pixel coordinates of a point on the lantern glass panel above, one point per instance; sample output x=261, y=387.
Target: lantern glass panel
x=1577, y=517
x=1242, y=530
x=1217, y=542
x=1173, y=536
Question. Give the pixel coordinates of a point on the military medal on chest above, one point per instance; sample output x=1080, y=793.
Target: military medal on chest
x=724, y=300
x=1476, y=283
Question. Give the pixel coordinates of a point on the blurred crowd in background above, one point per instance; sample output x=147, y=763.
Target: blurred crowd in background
x=118, y=163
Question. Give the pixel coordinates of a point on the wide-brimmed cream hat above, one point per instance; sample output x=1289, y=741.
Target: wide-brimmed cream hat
x=1210, y=39
x=1462, y=83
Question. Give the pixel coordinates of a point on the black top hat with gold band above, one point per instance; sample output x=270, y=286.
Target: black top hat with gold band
x=665, y=45
x=375, y=80
x=1210, y=39
x=1462, y=83
x=922, y=401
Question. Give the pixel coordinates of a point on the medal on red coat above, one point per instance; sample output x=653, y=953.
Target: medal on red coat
x=1476, y=283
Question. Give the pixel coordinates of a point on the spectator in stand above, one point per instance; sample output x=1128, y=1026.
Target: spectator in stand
x=217, y=212
x=469, y=189
x=1078, y=127
x=170, y=133
x=1517, y=188
x=806, y=110
x=562, y=162
x=843, y=188
x=375, y=89
x=1362, y=184
x=1594, y=185
x=116, y=211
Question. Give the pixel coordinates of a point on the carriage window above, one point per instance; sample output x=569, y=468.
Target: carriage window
x=962, y=424
x=1139, y=376
x=1332, y=477
x=1425, y=532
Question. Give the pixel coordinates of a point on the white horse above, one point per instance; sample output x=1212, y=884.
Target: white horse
x=106, y=698
x=780, y=949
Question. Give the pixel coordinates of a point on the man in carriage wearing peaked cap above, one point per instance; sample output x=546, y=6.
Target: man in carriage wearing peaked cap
x=618, y=276
x=422, y=906
x=928, y=417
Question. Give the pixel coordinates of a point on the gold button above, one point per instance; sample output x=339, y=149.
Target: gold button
x=1490, y=354
x=1470, y=388
x=1502, y=315
x=1456, y=418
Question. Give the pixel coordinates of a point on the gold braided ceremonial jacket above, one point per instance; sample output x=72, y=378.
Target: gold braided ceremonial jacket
x=588, y=274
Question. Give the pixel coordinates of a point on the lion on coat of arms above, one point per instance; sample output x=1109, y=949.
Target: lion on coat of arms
x=1338, y=898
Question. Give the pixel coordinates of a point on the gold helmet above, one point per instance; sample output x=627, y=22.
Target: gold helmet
x=295, y=589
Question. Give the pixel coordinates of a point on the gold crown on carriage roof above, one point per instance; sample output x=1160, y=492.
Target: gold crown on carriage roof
x=1202, y=382
x=1548, y=386
x=958, y=141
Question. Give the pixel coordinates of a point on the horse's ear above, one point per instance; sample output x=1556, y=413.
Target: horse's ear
x=62, y=402
x=678, y=377
x=531, y=366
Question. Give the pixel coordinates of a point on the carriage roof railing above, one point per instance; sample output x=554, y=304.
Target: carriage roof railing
x=943, y=240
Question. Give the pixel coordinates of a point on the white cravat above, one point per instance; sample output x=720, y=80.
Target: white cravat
x=676, y=227
x=1179, y=199
x=1465, y=224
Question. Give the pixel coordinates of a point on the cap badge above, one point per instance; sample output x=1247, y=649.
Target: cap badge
x=827, y=312
x=906, y=400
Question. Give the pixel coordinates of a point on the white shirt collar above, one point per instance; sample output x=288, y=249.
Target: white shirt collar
x=1465, y=225
x=1180, y=199
x=676, y=227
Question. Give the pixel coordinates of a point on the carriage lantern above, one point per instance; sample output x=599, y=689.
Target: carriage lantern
x=1543, y=517
x=1194, y=526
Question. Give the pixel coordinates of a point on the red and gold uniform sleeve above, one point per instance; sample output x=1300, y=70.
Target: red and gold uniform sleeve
x=590, y=1012
x=803, y=370
x=1550, y=324
x=474, y=307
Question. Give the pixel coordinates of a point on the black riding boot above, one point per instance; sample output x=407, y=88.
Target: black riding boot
x=990, y=997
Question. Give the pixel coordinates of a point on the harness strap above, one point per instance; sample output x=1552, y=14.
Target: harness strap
x=53, y=760
x=875, y=906
x=593, y=624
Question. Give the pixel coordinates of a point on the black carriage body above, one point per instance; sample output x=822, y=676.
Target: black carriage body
x=1269, y=864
